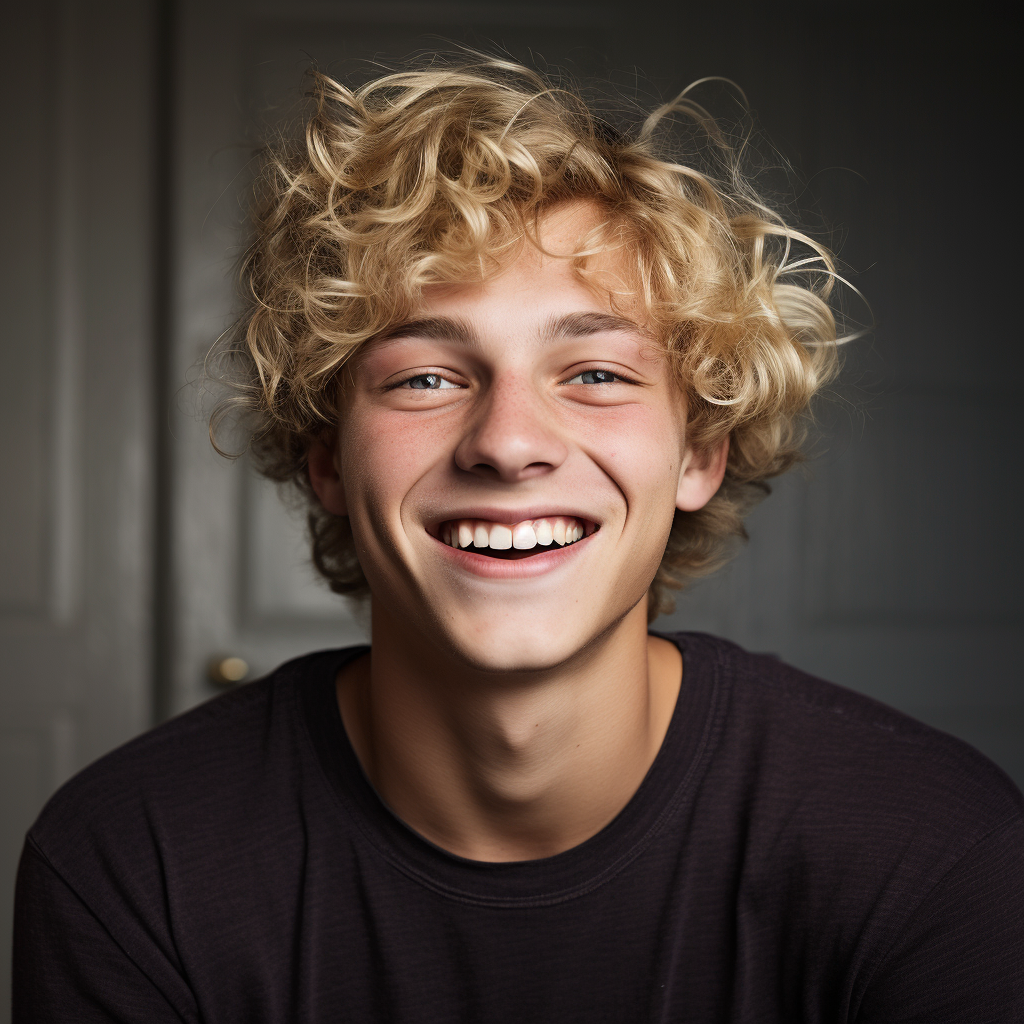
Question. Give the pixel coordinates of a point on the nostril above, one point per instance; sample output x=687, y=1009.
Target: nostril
x=527, y=472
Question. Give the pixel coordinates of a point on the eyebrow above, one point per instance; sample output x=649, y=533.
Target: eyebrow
x=438, y=328
x=580, y=325
x=569, y=325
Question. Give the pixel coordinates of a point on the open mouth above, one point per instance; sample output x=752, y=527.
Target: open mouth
x=519, y=540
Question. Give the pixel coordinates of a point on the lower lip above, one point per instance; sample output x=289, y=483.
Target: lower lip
x=511, y=568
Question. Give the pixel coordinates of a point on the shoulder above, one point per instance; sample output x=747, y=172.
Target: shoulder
x=223, y=759
x=860, y=828
x=839, y=757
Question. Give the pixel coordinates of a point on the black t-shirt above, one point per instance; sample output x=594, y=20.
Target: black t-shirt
x=796, y=853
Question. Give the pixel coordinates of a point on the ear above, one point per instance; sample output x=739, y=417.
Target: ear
x=700, y=476
x=325, y=475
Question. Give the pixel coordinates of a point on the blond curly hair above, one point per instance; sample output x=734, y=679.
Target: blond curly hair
x=437, y=174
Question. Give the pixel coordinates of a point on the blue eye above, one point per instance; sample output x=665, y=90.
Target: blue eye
x=428, y=382
x=595, y=377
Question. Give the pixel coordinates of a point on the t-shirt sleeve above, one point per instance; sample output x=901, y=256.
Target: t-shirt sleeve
x=961, y=956
x=68, y=966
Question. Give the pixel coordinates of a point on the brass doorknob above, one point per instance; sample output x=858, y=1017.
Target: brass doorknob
x=227, y=671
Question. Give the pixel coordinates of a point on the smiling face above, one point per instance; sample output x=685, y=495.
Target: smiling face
x=511, y=459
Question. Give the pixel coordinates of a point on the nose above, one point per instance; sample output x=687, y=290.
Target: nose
x=513, y=435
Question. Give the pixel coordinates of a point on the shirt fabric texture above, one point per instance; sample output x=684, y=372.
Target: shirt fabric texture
x=796, y=853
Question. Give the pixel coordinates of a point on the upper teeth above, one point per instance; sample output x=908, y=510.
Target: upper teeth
x=561, y=530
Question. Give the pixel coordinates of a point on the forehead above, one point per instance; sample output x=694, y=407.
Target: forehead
x=546, y=282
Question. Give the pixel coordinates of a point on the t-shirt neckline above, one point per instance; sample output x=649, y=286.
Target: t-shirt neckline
x=663, y=793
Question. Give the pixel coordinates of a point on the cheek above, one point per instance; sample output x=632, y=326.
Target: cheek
x=385, y=451
x=640, y=448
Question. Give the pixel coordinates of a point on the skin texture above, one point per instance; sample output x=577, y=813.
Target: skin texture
x=510, y=709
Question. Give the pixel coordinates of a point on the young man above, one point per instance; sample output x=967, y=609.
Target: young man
x=529, y=375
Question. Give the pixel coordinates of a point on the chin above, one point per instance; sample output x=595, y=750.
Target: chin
x=526, y=643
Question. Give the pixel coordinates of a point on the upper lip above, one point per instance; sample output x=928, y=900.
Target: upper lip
x=509, y=516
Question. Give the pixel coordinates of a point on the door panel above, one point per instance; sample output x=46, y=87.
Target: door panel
x=76, y=462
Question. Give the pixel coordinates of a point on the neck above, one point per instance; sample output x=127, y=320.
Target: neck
x=504, y=767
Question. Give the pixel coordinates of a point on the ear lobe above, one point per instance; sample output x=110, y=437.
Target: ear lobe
x=701, y=476
x=325, y=477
